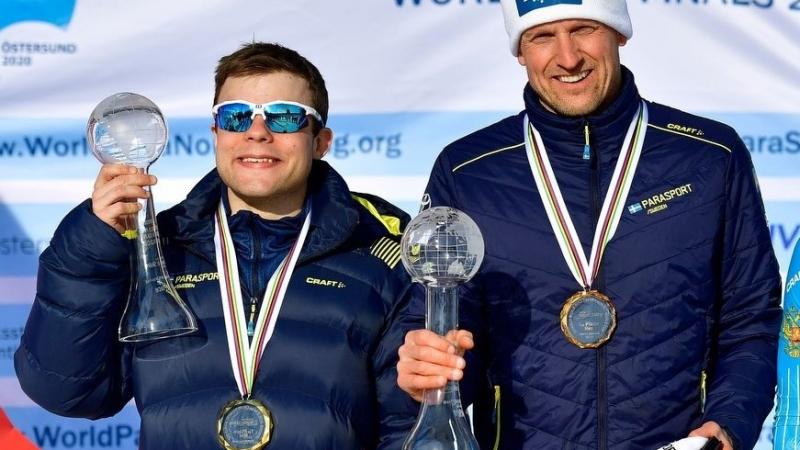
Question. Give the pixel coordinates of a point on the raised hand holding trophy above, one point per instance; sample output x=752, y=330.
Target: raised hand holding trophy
x=442, y=248
x=128, y=128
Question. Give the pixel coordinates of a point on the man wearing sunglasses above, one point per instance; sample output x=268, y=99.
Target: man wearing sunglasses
x=630, y=295
x=294, y=280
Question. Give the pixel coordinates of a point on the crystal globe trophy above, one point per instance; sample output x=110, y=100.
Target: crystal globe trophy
x=129, y=129
x=441, y=248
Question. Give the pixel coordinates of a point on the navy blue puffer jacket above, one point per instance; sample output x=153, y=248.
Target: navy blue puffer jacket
x=327, y=375
x=690, y=270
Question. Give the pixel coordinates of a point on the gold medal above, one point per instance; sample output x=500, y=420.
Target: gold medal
x=244, y=425
x=588, y=319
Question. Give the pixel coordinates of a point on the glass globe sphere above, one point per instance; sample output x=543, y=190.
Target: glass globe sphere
x=442, y=246
x=127, y=128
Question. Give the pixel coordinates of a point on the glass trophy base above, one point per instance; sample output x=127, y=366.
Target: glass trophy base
x=155, y=335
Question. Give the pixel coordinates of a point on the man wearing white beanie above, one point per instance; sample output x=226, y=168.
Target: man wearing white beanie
x=629, y=296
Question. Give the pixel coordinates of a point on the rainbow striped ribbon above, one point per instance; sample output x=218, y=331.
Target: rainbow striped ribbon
x=246, y=355
x=613, y=205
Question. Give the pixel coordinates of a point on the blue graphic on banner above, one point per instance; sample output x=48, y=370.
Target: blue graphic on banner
x=773, y=140
x=25, y=231
x=12, y=323
x=526, y=6
x=364, y=144
x=18, y=252
x=784, y=227
x=49, y=431
x=694, y=4
x=27, y=145
x=398, y=143
x=56, y=12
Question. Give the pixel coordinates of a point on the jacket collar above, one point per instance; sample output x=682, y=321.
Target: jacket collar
x=608, y=123
x=334, y=215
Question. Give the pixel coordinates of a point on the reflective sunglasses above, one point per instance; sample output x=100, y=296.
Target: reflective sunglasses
x=281, y=116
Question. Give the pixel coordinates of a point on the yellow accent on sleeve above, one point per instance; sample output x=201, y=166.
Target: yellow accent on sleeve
x=707, y=141
x=386, y=250
x=497, y=417
x=703, y=392
x=391, y=223
x=130, y=234
x=510, y=147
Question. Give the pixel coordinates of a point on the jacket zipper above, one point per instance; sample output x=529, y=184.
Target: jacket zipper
x=594, y=190
x=602, y=401
x=587, y=148
x=251, y=326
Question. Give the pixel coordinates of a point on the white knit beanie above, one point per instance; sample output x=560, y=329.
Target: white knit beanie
x=523, y=14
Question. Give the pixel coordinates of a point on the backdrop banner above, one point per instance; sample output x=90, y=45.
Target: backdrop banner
x=405, y=77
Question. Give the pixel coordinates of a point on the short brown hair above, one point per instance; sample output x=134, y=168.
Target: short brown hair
x=263, y=58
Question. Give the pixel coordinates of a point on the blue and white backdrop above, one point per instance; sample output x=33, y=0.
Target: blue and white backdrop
x=405, y=76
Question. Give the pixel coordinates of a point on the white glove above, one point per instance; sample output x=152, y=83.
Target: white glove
x=689, y=443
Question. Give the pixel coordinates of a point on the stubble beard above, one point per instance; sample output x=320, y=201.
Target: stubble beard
x=569, y=107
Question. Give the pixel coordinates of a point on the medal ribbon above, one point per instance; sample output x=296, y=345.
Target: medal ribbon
x=613, y=205
x=246, y=355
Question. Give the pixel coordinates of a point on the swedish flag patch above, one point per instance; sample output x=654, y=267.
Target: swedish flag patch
x=386, y=250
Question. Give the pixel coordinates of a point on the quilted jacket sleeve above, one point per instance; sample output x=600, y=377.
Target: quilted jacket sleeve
x=69, y=360
x=743, y=376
